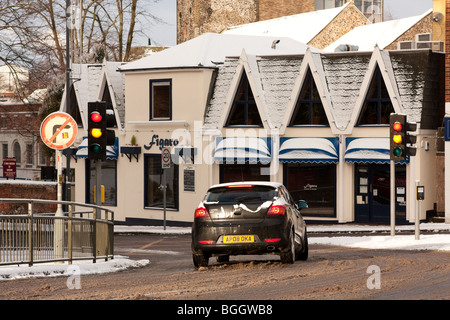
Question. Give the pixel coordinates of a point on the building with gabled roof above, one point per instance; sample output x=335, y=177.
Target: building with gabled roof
x=234, y=107
x=386, y=35
x=318, y=28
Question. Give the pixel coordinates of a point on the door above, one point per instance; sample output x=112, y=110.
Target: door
x=372, y=194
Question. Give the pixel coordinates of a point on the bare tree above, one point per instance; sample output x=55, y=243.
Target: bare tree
x=32, y=32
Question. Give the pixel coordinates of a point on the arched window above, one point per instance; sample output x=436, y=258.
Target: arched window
x=309, y=108
x=377, y=105
x=17, y=152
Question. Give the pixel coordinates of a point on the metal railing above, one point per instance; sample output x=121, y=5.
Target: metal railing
x=34, y=237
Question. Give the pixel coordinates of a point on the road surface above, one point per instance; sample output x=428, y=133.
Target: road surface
x=331, y=272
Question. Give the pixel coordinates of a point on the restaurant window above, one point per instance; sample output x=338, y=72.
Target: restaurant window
x=244, y=111
x=314, y=183
x=108, y=182
x=153, y=175
x=161, y=99
x=377, y=105
x=309, y=108
x=243, y=172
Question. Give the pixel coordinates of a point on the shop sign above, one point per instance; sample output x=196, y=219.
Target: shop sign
x=161, y=143
x=9, y=167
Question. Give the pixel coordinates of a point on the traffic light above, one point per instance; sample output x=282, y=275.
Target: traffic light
x=401, y=141
x=99, y=137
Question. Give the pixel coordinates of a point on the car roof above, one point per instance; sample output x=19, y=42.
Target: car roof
x=257, y=183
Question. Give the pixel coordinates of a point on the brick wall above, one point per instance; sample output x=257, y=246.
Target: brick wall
x=195, y=17
x=32, y=190
x=423, y=26
x=344, y=22
x=270, y=9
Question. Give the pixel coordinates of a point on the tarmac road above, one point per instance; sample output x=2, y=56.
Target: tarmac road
x=331, y=272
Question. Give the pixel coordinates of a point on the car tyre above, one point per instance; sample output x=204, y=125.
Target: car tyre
x=200, y=260
x=303, y=254
x=288, y=256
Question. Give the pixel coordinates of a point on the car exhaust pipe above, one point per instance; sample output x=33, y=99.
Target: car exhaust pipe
x=270, y=248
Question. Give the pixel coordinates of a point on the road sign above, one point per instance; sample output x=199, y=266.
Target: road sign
x=59, y=130
x=9, y=167
x=165, y=158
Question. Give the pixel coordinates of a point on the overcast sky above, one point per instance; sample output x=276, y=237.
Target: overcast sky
x=407, y=8
x=165, y=34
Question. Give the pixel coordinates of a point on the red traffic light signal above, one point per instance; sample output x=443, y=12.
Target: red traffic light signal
x=397, y=126
x=96, y=116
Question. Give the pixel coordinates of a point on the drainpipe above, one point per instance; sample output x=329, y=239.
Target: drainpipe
x=341, y=187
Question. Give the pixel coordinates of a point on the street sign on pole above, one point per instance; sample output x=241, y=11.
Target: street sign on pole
x=59, y=130
x=165, y=158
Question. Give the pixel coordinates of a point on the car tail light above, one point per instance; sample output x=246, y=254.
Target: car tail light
x=241, y=186
x=201, y=212
x=205, y=241
x=277, y=210
x=272, y=240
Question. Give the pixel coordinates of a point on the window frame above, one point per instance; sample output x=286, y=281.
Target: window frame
x=243, y=103
x=310, y=102
x=377, y=99
x=88, y=182
x=176, y=183
x=152, y=84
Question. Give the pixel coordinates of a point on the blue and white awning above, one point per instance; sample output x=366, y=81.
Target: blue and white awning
x=242, y=150
x=112, y=152
x=312, y=150
x=368, y=150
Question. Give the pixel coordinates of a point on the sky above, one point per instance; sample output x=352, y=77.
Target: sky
x=165, y=34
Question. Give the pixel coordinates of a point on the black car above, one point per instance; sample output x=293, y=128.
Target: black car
x=248, y=218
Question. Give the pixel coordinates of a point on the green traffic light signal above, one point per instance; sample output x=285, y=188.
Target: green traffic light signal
x=397, y=152
x=96, y=148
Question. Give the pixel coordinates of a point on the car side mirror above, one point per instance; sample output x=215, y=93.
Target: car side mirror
x=302, y=204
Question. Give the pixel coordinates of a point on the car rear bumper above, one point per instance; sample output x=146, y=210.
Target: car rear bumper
x=266, y=237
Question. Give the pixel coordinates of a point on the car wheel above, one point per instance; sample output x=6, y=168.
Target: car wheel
x=288, y=256
x=303, y=255
x=200, y=260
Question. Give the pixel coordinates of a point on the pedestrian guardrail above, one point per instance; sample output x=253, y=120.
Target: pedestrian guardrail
x=83, y=232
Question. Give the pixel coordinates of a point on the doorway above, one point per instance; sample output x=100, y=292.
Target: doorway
x=372, y=194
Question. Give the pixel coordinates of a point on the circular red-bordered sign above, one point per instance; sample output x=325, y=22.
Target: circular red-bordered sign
x=59, y=130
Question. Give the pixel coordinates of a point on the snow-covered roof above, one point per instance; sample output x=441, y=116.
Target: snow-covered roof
x=342, y=79
x=381, y=33
x=302, y=27
x=209, y=49
x=91, y=79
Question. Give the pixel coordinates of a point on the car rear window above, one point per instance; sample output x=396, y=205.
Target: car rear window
x=241, y=195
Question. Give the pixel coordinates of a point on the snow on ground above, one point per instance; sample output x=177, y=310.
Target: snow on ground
x=437, y=237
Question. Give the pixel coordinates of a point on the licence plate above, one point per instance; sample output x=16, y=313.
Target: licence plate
x=239, y=239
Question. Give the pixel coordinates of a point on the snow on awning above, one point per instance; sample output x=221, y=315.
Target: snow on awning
x=312, y=150
x=242, y=150
x=368, y=150
x=112, y=152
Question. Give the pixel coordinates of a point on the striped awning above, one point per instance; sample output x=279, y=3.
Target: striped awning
x=242, y=150
x=112, y=152
x=368, y=150
x=310, y=150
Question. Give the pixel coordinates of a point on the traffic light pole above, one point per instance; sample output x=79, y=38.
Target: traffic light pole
x=98, y=186
x=392, y=197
